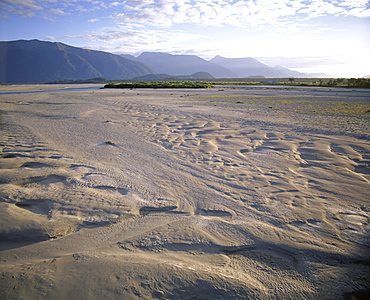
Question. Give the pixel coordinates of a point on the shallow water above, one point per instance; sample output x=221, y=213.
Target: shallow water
x=49, y=91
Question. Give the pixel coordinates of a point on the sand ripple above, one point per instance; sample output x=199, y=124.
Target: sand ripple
x=141, y=194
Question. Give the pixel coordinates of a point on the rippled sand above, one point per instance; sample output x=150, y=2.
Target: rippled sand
x=227, y=193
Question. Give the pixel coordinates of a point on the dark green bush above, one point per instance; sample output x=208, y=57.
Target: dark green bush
x=161, y=85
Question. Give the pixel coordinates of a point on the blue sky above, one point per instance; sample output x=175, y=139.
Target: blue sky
x=315, y=36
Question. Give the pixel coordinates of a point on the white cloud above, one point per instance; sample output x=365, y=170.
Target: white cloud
x=56, y=11
x=359, y=12
x=24, y=8
x=165, y=13
x=50, y=14
x=242, y=13
x=94, y=20
x=301, y=62
x=51, y=38
x=129, y=40
x=30, y=8
x=22, y=4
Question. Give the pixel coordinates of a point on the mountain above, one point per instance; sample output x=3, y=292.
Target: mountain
x=246, y=67
x=285, y=72
x=37, y=61
x=161, y=76
x=183, y=64
x=128, y=56
x=195, y=76
x=321, y=75
x=202, y=75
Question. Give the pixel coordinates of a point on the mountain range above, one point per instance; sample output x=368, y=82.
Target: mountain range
x=219, y=67
x=183, y=64
x=34, y=61
x=246, y=67
x=37, y=61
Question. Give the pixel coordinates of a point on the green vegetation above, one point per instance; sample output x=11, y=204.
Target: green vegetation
x=359, y=82
x=319, y=82
x=161, y=85
x=307, y=104
x=208, y=83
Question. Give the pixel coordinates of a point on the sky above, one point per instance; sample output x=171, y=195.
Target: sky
x=310, y=36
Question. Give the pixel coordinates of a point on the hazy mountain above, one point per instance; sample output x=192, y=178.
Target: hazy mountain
x=157, y=76
x=321, y=75
x=37, y=61
x=183, y=64
x=285, y=72
x=202, y=75
x=196, y=76
x=128, y=56
x=246, y=67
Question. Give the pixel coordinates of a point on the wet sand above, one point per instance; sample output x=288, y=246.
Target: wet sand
x=225, y=193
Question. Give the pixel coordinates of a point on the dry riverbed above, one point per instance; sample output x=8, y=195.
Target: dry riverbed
x=223, y=193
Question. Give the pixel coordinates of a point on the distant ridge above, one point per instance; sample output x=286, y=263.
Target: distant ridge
x=34, y=61
x=285, y=72
x=195, y=76
x=247, y=67
x=183, y=64
x=37, y=61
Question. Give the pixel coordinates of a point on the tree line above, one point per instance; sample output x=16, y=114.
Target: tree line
x=160, y=85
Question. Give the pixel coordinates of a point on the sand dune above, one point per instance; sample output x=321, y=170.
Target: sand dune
x=238, y=193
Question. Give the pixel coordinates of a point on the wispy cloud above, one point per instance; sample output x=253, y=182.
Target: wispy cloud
x=26, y=8
x=94, y=20
x=124, y=39
x=243, y=13
x=165, y=13
x=226, y=27
x=301, y=62
x=144, y=24
x=56, y=11
x=21, y=4
x=45, y=8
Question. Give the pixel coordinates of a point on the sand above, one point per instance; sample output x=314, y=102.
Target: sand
x=225, y=193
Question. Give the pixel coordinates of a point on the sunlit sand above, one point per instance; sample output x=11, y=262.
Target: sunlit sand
x=224, y=193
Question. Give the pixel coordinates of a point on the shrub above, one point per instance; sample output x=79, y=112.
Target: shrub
x=161, y=85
